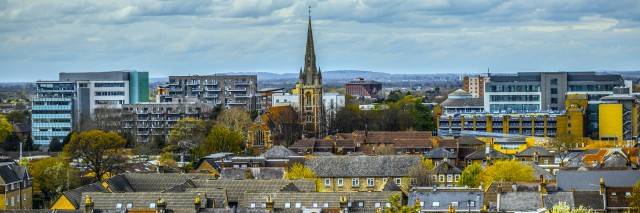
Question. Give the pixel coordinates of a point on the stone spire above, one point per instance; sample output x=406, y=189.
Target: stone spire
x=309, y=72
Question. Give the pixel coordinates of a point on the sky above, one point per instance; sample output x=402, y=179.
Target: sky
x=40, y=38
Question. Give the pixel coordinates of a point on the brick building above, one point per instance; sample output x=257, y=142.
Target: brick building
x=363, y=88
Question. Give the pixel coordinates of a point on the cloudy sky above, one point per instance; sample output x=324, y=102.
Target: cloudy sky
x=40, y=38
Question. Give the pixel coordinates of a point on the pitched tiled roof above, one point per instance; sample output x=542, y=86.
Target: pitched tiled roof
x=362, y=166
x=412, y=143
x=303, y=144
x=345, y=143
x=10, y=172
x=537, y=171
x=469, y=141
x=323, y=143
x=529, y=152
x=278, y=152
x=438, y=153
x=590, y=180
x=445, y=198
x=588, y=199
x=448, y=143
x=446, y=168
x=21, y=127
x=267, y=173
x=520, y=201
x=235, y=188
x=553, y=198
x=142, y=200
x=234, y=173
x=377, y=137
x=75, y=195
x=481, y=154
x=151, y=182
x=307, y=199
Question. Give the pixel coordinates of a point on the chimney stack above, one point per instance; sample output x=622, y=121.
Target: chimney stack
x=343, y=202
x=543, y=185
x=88, y=208
x=417, y=204
x=160, y=206
x=602, y=186
x=269, y=203
x=197, y=204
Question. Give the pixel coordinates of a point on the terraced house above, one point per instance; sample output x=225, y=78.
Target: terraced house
x=16, y=185
x=363, y=173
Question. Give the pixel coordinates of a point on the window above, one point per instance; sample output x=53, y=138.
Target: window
x=287, y=205
x=421, y=203
x=554, y=81
x=388, y=205
x=398, y=181
x=469, y=162
x=360, y=204
x=118, y=205
x=107, y=93
x=264, y=205
x=441, y=178
x=298, y=205
x=315, y=205
x=627, y=194
x=369, y=181
x=109, y=84
x=472, y=204
x=252, y=205
x=554, y=90
x=152, y=205
x=456, y=177
x=434, y=177
x=129, y=205
x=325, y=205
x=435, y=204
x=355, y=182
x=454, y=204
x=377, y=205
x=340, y=182
x=349, y=204
x=24, y=196
x=546, y=161
x=449, y=178
x=327, y=182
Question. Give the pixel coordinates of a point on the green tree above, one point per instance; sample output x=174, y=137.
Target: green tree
x=506, y=171
x=100, y=151
x=186, y=134
x=222, y=139
x=52, y=176
x=12, y=142
x=16, y=116
x=634, y=200
x=5, y=128
x=562, y=144
x=396, y=206
x=55, y=145
x=470, y=176
x=298, y=171
x=237, y=120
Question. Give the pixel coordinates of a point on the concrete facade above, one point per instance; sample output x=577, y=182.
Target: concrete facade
x=224, y=90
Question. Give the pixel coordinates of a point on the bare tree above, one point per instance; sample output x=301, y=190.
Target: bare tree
x=562, y=144
x=107, y=118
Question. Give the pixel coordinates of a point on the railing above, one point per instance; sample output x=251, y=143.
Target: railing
x=237, y=90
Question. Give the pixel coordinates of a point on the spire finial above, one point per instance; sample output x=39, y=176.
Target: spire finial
x=309, y=12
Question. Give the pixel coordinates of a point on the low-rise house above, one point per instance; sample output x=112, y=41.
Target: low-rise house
x=588, y=180
x=16, y=185
x=316, y=202
x=143, y=202
x=446, y=174
x=618, y=198
x=536, y=154
x=362, y=173
x=439, y=155
x=436, y=199
x=510, y=145
x=470, y=142
x=264, y=173
x=388, y=137
x=484, y=156
x=408, y=146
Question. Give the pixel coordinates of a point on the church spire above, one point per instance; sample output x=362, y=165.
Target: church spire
x=310, y=55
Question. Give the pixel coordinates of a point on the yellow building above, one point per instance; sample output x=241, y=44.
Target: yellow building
x=618, y=117
x=542, y=124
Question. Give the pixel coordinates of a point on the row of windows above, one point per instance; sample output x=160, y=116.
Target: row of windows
x=513, y=88
x=106, y=102
x=110, y=93
x=450, y=178
x=51, y=103
x=588, y=88
x=51, y=120
x=109, y=84
x=356, y=182
x=455, y=204
x=523, y=107
x=35, y=112
x=287, y=205
x=515, y=97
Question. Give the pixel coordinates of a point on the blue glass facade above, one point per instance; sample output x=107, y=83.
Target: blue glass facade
x=52, y=111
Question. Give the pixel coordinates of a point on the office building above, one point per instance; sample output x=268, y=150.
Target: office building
x=64, y=105
x=224, y=90
x=619, y=116
x=147, y=120
x=474, y=85
x=533, y=91
x=363, y=88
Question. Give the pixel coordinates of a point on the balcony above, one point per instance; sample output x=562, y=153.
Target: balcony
x=237, y=90
x=209, y=83
x=243, y=83
x=157, y=118
x=210, y=96
x=237, y=102
x=193, y=83
x=174, y=83
x=196, y=89
x=143, y=132
x=191, y=112
x=142, y=112
x=173, y=112
x=242, y=96
x=157, y=112
x=213, y=89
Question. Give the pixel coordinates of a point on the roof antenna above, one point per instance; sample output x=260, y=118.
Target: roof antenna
x=309, y=12
x=488, y=73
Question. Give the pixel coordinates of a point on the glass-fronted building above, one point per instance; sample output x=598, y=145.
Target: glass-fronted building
x=52, y=111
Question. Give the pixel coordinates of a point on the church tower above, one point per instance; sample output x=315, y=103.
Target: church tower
x=310, y=106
